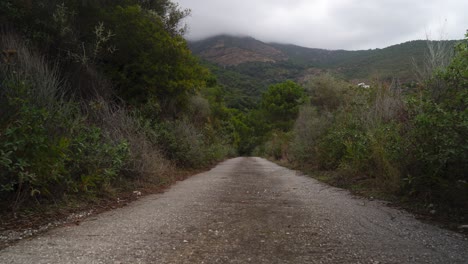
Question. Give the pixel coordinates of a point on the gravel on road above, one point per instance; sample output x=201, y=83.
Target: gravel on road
x=246, y=210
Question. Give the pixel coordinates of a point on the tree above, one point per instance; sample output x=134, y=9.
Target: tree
x=170, y=13
x=326, y=92
x=149, y=61
x=280, y=104
x=456, y=73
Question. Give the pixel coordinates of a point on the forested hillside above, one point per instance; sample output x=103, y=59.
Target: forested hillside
x=392, y=62
x=245, y=76
x=97, y=97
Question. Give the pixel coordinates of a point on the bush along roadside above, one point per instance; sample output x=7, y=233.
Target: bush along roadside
x=91, y=108
x=408, y=145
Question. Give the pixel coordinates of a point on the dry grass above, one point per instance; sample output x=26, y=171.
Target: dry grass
x=438, y=56
x=387, y=105
x=308, y=129
x=327, y=92
x=146, y=162
x=42, y=81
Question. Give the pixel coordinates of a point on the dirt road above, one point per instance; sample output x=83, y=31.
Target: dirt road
x=246, y=210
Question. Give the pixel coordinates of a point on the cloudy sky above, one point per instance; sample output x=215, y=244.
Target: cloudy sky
x=329, y=24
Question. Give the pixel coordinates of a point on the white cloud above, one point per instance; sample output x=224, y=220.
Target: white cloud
x=331, y=24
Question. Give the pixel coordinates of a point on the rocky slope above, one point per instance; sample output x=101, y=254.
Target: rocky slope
x=231, y=51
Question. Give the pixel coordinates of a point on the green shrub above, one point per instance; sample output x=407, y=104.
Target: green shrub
x=340, y=141
x=105, y=113
x=386, y=160
x=145, y=161
x=94, y=160
x=44, y=155
x=280, y=104
x=439, y=150
x=150, y=62
x=47, y=146
x=32, y=162
x=277, y=146
x=32, y=146
x=188, y=146
x=438, y=126
x=308, y=130
x=327, y=93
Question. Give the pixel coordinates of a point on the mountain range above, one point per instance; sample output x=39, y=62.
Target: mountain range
x=246, y=66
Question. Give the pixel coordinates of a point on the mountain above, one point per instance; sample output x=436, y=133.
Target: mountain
x=246, y=66
x=228, y=50
x=396, y=61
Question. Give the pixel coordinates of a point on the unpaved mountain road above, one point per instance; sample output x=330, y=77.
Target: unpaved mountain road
x=246, y=210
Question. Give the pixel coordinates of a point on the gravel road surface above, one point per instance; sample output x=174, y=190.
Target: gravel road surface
x=246, y=210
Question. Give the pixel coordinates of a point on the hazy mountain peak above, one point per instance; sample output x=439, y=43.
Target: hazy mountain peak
x=392, y=62
x=232, y=50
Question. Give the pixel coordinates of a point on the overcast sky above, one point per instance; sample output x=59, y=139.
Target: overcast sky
x=329, y=24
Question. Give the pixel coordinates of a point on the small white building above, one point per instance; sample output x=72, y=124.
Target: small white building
x=363, y=85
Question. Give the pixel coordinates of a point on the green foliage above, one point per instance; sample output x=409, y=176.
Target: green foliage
x=250, y=130
x=456, y=75
x=45, y=155
x=247, y=80
x=149, y=62
x=187, y=145
x=126, y=102
x=342, y=142
x=240, y=91
x=275, y=115
x=439, y=150
x=308, y=130
x=169, y=12
x=326, y=92
x=94, y=160
x=31, y=160
x=281, y=102
x=128, y=98
x=136, y=44
x=439, y=147
x=410, y=144
x=244, y=84
x=277, y=146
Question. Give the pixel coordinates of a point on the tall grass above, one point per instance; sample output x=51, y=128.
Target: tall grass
x=25, y=68
x=146, y=161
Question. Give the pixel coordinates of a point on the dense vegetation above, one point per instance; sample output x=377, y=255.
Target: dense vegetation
x=396, y=61
x=98, y=96
x=388, y=139
x=244, y=83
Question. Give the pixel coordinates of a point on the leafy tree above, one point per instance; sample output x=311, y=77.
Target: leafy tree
x=250, y=130
x=456, y=75
x=280, y=104
x=149, y=62
x=169, y=12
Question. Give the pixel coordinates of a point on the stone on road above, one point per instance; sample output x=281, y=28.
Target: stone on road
x=246, y=210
